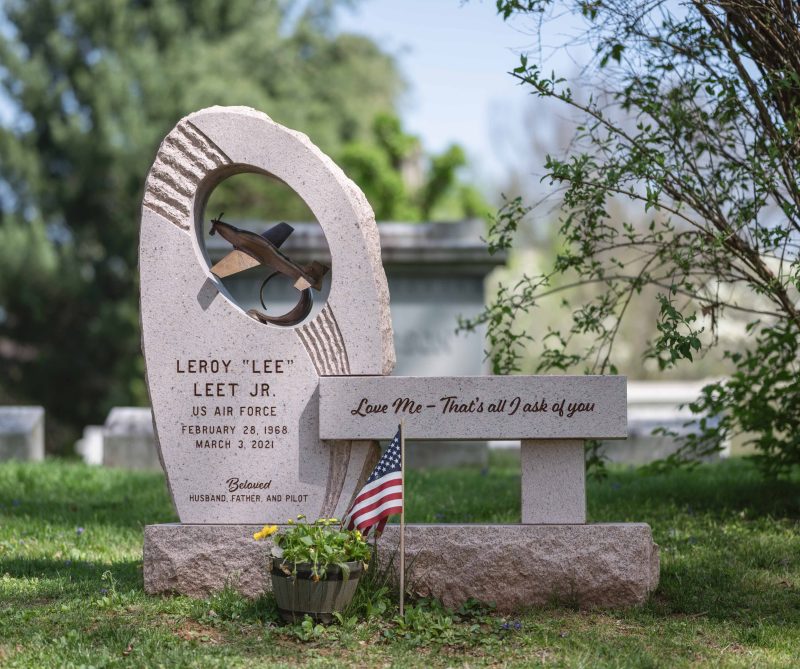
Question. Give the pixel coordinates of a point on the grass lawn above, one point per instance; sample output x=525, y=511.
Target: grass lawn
x=71, y=583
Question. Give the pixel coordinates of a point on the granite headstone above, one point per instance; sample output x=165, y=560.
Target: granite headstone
x=235, y=400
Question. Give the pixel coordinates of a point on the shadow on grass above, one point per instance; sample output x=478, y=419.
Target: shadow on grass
x=41, y=579
x=723, y=488
x=728, y=592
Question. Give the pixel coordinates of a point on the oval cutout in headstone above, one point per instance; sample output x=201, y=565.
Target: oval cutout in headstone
x=235, y=401
x=266, y=206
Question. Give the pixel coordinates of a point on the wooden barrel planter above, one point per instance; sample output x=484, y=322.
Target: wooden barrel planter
x=299, y=595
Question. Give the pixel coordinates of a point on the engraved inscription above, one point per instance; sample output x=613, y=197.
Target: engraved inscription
x=233, y=416
x=453, y=404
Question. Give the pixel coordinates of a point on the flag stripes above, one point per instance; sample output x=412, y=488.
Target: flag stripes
x=381, y=496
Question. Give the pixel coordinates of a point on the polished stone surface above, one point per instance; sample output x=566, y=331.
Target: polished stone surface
x=474, y=407
x=553, y=481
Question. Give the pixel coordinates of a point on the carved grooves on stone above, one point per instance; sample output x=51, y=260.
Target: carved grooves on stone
x=323, y=340
x=185, y=157
x=337, y=472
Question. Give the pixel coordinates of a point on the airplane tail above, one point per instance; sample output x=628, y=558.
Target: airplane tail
x=278, y=234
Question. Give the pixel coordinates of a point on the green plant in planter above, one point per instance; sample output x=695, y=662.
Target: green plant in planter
x=311, y=567
x=321, y=544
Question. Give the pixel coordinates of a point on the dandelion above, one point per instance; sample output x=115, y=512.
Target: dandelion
x=266, y=531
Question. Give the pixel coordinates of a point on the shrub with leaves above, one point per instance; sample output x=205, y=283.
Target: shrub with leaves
x=693, y=119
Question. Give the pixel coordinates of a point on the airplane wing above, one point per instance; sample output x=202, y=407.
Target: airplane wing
x=238, y=261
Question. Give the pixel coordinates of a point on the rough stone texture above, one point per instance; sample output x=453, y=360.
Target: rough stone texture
x=497, y=407
x=553, y=481
x=129, y=441
x=21, y=433
x=359, y=290
x=197, y=560
x=514, y=566
x=236, y=475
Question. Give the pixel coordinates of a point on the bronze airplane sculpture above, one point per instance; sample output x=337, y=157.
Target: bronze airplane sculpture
x=251, y=249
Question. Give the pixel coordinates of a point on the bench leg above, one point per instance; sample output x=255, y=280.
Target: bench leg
x=553, y=481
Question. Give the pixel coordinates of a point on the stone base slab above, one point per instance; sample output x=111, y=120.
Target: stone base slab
x=513, y=566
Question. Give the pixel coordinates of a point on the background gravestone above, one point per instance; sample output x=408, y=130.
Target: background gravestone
x=654, y=404
x=128, y=439
x=21, y=433
x=235, y=400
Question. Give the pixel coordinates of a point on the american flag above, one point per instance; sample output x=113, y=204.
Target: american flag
x=381, y=496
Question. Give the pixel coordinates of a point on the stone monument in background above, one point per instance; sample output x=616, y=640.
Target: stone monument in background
x=21, y=433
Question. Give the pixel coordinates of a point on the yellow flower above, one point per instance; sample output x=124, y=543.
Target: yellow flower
x=265, y=532
x=358, y=535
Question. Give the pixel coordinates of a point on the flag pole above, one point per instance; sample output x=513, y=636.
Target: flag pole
x=403, y=515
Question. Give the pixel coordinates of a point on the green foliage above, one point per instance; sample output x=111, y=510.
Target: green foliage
x=426, y=622
x=503, y=226
x=370, y=167
x=672, y=344
x=693, y=122
x=93, y=87
x=403, y=184
x=321, y=544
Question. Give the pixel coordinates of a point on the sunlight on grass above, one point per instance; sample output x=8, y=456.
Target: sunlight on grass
x=71, y=584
